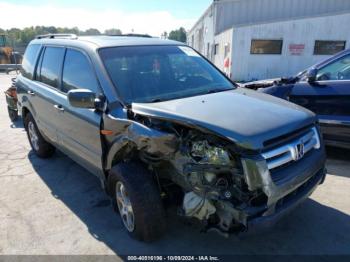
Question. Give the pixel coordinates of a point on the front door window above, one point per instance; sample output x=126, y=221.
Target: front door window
x=338, y=70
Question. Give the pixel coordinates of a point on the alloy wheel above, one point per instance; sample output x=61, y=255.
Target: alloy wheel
x=33, y=136
x=125, y=207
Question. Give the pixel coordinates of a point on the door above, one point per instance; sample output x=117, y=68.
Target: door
x=329, y=97
x=43, y=91
x=79, y=129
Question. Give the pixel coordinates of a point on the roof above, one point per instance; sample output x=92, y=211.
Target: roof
x=234, y=13
x=106, y=41
x=201, y=18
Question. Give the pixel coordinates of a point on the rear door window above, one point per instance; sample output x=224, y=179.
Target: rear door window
x=51, y=66
x=78, y=73
x=29, y=61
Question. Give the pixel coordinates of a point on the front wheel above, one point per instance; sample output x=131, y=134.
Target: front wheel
x=137, y=200
x=40, y=146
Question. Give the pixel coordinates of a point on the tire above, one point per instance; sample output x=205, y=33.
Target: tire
x=40, y=146
x=12, y=114
x=144, y=198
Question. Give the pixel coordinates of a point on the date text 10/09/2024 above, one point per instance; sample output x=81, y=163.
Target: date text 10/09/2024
x=173, y=258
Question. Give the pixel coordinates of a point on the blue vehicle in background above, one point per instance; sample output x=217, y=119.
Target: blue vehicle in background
x=324, y=89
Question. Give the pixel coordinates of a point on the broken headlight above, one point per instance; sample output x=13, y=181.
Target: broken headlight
x=204, y=153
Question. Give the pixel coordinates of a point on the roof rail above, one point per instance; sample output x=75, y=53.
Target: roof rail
x=52, y=36
x=133, y=35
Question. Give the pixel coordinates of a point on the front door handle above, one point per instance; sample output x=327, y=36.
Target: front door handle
x=59, y=107
x=30, y=92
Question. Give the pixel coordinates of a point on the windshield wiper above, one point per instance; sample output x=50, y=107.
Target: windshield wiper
x=218, y=90
x=156, y=100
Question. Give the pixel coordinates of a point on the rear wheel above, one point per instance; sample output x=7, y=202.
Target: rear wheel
x=40, y=146
x=137, y=200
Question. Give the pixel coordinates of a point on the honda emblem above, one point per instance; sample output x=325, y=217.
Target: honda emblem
x=299, y=151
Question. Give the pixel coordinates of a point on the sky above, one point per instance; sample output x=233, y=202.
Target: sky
x=141, y=16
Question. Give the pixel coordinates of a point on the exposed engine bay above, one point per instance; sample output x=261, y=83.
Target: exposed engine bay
x=201, y=170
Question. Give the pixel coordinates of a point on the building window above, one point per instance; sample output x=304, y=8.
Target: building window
x=328, y=47
x=216, y=49
x=267, y=47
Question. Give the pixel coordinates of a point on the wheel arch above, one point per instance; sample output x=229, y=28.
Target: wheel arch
x=24, y=113
x=121, y=148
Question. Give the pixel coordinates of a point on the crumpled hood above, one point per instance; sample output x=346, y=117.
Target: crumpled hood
x=245, y=117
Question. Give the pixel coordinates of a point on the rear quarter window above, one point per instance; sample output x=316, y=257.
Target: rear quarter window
x=29, y=61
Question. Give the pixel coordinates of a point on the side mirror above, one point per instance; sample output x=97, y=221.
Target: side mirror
x=311, y=75
x=82, y=98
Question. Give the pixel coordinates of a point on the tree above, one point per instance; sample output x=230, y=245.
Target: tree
x=91, y=31
x=66, y=30
x=178, y=35
x=28, y=34
x=21, y=37
x=113, y=31
x=15, y=36
x=165, y=35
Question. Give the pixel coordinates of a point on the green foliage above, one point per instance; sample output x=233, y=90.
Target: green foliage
x=91, y=31
x=113, y=31
x=21, y=37
x=178, y=35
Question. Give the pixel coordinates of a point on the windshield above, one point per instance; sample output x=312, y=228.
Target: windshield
x=157, y=73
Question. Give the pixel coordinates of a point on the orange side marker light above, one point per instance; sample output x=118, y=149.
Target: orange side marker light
x=106, y=132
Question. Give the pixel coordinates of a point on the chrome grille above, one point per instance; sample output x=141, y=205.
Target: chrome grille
x=292, y=151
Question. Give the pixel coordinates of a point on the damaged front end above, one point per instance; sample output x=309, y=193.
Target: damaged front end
x=204, y=167
x=226, y=187
x=233, y=190
x=211, y=174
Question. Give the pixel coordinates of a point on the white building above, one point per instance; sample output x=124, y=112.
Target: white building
x=262, y=39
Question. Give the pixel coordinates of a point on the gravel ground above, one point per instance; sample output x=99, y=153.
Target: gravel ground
x=55, y=207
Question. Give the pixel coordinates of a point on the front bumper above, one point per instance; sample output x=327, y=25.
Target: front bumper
x=285, y=189
x=286, y=204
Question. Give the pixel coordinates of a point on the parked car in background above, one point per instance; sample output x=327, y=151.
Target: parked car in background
x=158, y=124
x=324, y=89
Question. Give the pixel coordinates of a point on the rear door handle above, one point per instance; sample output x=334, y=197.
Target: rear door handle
x=59, y=107
x=30, y=92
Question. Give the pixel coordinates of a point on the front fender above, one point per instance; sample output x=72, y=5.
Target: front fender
x=116, y=148
x=129, y=133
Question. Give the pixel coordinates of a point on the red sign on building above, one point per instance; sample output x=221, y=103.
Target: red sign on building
x=296, y=49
